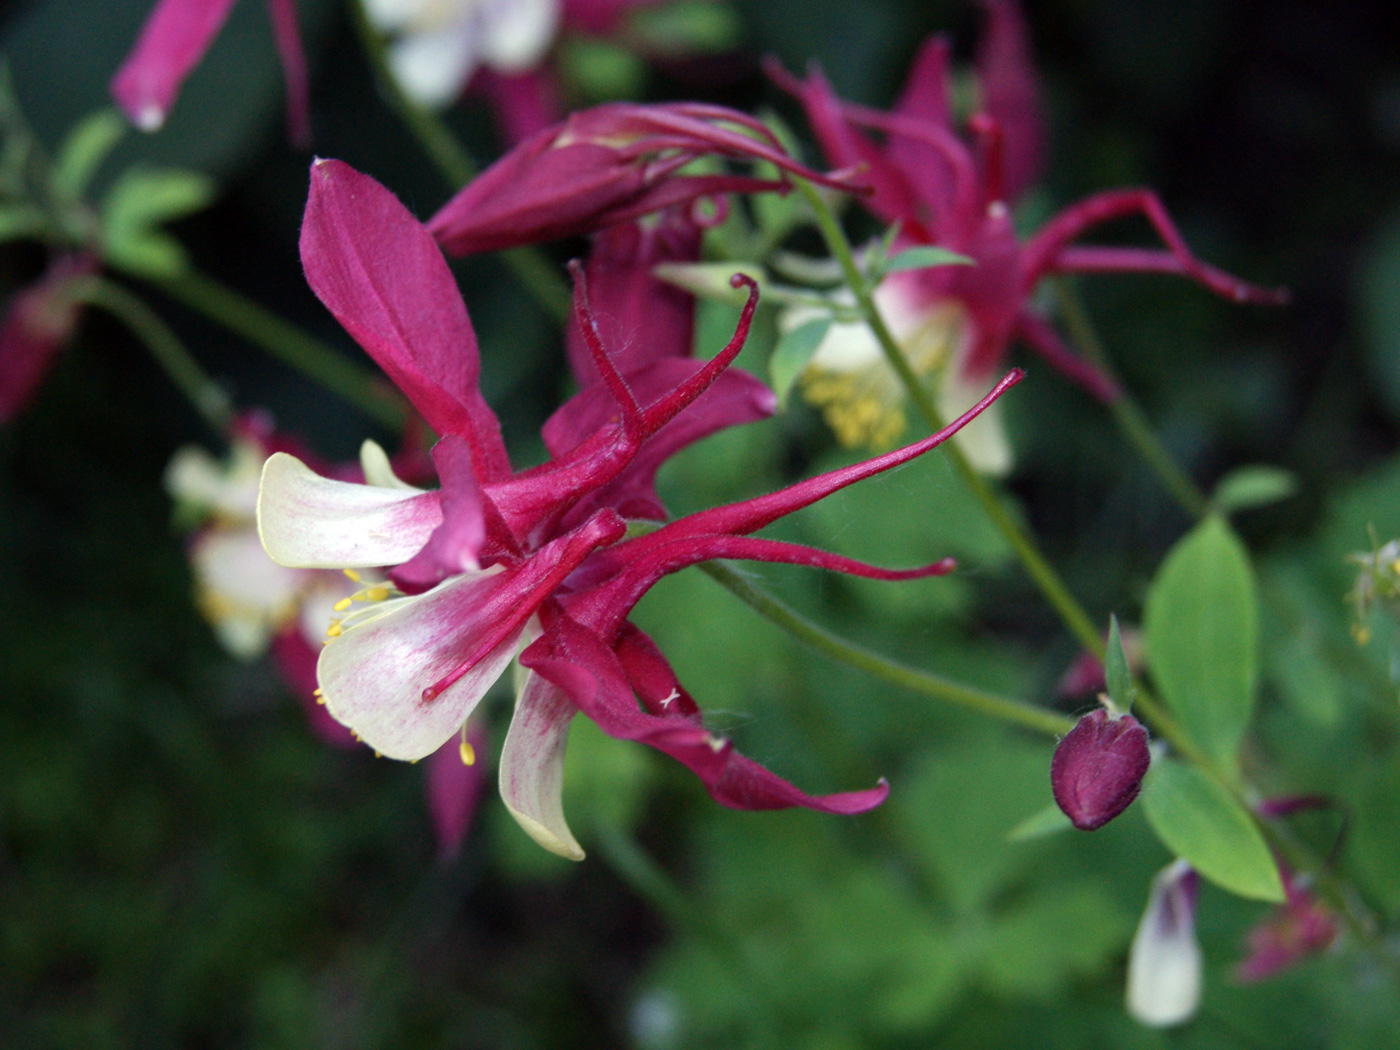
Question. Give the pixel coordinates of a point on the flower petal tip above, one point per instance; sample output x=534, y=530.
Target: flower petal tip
x=568, y=848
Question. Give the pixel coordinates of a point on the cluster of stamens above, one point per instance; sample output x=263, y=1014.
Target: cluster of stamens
x=374, y=592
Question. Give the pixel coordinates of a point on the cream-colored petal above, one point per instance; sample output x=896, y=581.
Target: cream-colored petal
x=374, y=673
x=243, y=594
x=1164, y=963
x=515, y=34
x=532, y=765
x=379, y=472
x=433, y=67
x=388, y=15
x=228, y=489
x=312, y=522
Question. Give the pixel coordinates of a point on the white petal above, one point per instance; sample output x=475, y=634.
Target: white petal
x=313, y=522
x=373, y=675
x=516, y=33
x=379, y=472
x=1164, y=963
x=434, y=67
x=532, y=765
x=983, y=441
x=228, y=489
x=241, y=591
x=394, y=14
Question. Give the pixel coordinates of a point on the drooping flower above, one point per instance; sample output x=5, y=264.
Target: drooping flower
x=606, y=165
x=496, y=559
x=174, y=39
x=1097, y=769
x=1164, y=962
x=37, y=323
x=954, y=191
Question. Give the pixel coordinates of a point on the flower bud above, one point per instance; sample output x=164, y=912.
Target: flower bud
x=1098, y=768
x=1164, y=963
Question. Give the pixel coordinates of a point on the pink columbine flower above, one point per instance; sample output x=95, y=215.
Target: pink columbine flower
x=38, y=322
x=497, y=559
x=174, y=39
x=1097, y=769
x=606, y=165
x=954, y=191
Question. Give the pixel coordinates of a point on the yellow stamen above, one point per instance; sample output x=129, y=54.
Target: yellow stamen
x=468, y=754
x=377, y=594
x=342, y=605
x=333, y=631
x=352, y=574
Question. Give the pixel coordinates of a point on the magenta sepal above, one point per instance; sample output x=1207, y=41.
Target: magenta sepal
x=576, y=660
x=377, y=270
x=1300, y=927
x=1097, y=769
x=174, y=39
x=456, y=545
x=606, y=165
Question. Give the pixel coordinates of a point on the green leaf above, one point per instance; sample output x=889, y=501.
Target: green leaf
x=1250, y=487
x=794, y=350
x=145, y=197
x=1116, y=675
x=146, y=254
x=1201, y=629
x=83, y=152
x=18, y=221
x=1048, y=821
x=686, y=27
x=600, y=69
x=1198, y=820
x=924, y=257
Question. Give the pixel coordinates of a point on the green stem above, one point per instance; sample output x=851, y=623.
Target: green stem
x=847, y=652
x=1040, y=571
x=203, y=393
x=1129, y=416
x=288, y=344
x=530, y=266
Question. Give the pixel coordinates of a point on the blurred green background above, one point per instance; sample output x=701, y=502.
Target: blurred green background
x=182, y=864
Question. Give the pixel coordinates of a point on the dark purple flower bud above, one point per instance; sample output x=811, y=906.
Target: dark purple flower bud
x=1098, y=768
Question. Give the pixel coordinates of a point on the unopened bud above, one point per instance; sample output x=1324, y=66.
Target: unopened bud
x=1098, y=767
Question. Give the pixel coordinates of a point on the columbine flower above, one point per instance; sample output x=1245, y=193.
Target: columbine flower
x=1097, y=769
x=438, y=45
x=946, y=191
x=174, y=39
x=496, y=559
x=603, y=166
x=38, y=321
x=1164, y=962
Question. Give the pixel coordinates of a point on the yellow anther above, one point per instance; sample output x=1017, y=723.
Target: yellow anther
x=378, y=755
x=1361, y=633
x=1395, y=566
x=377, y=594
x=333, y=631
x=468, y=754
x=352, y=574
x=342, y=605
x=320, y=699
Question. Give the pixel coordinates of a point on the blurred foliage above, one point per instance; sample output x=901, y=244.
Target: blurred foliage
x=183, y=864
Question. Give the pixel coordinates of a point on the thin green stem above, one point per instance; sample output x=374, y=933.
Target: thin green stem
x=1040, y=571
x=847, y=652
x=288, y=344
x=530, y=266
x=208, y=399
x=1127, y=413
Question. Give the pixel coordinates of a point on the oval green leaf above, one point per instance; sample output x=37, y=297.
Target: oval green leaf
x=1199, y=821
x=1201, y=628
x=792, y=353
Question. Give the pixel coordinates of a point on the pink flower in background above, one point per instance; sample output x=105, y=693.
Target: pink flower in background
x=1300, y=927
x=607, y=165
x=173, y=41
x=954, y=191
x=497, y=559
x=39, y=320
